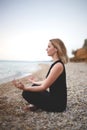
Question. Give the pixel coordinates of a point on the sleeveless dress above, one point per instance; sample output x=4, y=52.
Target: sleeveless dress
x=56, y=99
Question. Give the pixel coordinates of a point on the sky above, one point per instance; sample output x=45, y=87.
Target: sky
x=26, y=26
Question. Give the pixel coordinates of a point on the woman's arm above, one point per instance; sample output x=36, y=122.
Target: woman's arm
x=54, y=74
x=38, y=82
x=32, y=80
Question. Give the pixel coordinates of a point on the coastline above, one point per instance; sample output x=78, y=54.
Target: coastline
x=10, y=70
x=75, y=117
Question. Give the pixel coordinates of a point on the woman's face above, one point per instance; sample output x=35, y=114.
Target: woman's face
x=51, y=50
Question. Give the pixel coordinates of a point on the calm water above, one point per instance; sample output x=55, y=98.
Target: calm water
x=10, y=70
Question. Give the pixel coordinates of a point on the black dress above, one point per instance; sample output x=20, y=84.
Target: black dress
x=56, y=99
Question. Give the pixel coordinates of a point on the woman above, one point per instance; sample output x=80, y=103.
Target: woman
x=54, y=100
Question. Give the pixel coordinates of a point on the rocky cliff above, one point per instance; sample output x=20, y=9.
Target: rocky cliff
x=80, y=54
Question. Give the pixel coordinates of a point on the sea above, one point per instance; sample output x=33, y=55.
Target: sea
x=10, y=70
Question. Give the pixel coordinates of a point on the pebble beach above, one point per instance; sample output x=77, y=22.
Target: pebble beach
x=12, y=116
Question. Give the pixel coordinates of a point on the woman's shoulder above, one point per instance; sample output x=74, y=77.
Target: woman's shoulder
x=58, y=65
x=56, y=62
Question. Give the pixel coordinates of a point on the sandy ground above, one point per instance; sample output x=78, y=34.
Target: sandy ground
x=12, y=117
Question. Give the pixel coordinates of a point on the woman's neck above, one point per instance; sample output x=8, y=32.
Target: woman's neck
x=55, y=58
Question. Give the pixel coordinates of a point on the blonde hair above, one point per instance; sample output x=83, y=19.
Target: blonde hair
x=62, y=51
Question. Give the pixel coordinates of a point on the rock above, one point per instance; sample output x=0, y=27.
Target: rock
x=80, y=55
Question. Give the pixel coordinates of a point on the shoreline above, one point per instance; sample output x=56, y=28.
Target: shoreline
x=75, y=117
x=41, y=66
x=24, y=70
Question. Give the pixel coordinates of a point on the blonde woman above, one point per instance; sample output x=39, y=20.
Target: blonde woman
x=54, y=100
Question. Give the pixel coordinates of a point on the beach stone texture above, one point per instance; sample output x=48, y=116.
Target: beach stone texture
x=12, y=116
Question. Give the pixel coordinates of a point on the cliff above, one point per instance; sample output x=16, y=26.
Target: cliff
x=80, y=54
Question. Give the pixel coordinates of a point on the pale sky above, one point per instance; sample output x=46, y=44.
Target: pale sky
x=26, y=26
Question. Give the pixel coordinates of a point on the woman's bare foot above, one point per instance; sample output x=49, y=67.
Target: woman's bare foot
x=30, y=107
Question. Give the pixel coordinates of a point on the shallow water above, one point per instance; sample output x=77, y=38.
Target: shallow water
x=10, y=70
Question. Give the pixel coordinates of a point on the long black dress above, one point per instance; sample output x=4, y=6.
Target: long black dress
x=56, y=99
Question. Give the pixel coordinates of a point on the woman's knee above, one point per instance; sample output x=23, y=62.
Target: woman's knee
x=25, y=94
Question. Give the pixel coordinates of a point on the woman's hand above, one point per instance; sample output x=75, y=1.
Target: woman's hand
x=29, y=88
x=18, y=85
x=31, y=79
